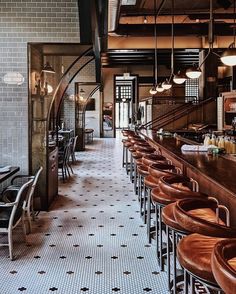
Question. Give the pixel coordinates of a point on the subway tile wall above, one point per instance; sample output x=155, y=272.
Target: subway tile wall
x=22, y=22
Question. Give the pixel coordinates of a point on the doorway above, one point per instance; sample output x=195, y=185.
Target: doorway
x=125, y=101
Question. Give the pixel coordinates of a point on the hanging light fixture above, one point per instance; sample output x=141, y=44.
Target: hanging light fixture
x=48, y=68
x=194, y=72
x=179, y=78
x=228, y=57
x=159, y=88
x=167, y=83
x=153, y=90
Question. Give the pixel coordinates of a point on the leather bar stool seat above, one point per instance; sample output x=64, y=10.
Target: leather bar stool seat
x=161, y=169
x=198, y=216
x=142, y=170
x=134, y=136
x=150, y=159
x=127, y=133
x=194, y=254
x=175, y=186
x=169, y=218
x=138, y=141
x=223, y=263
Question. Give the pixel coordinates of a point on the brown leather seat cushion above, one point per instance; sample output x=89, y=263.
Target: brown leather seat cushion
x=127, y=144
x=223, y=262
x=161, y=169
x=206, y=213
x=151, y=182
x=190, y=215
x=139, y=160
x=137, y=140
x=132, y=149
x=144, y=152
x=159, y=197
x=194, y=254
x=153, y=158
x=169, y=218
x=142, y=170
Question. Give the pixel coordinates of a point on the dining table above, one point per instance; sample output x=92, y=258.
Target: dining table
x=8, y=172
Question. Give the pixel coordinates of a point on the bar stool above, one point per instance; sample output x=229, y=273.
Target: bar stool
x=142, y=171
x=194, y=251
x=171, y=188
x=156, y=171
x=174, y=232
x=223, y=263
x=140, y=145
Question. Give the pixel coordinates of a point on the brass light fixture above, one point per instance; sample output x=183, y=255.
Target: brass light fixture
x=48, y=68
x=42, y=86
x=229, y=56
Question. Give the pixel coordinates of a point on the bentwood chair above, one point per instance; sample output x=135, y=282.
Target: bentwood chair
x=16, y=183
x=13, y=212
x=74, y=141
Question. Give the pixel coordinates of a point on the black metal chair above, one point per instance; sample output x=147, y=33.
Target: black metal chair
x=16, y=183
x=13, y=212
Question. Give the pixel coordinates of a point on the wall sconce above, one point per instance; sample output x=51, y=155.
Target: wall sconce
x=41, y=85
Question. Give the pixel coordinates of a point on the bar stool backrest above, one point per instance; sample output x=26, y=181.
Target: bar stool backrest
x=194, y=224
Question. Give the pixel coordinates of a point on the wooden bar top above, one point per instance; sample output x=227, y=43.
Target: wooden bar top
x=215, y=168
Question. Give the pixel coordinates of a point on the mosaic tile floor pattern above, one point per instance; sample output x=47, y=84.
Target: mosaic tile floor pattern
x=91, y=241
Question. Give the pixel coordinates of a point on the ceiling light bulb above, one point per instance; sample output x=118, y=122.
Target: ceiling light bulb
x=166, y=85
x=179, y=78
x=145, y=19
x=193, y=72
x=159, y=88
x=229, y=57
x=153, y=91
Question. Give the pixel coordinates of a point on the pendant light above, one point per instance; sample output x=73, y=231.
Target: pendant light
x=229, y=56
x=160, y=88
x=179, y=78
x=194, y=72
x=153, y=90
x=167, y=84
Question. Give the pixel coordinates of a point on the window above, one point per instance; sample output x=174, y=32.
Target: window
x=191, y=90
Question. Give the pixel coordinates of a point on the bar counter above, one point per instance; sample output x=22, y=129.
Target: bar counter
x=215, y=174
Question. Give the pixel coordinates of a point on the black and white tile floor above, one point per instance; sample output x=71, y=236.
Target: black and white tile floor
x=91, y=241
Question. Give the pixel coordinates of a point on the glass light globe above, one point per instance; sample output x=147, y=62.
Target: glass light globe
x=159, y=88
x=153, y=91
x=166, y=85
x=193, y=72
x=229, y=57
x=179, y=78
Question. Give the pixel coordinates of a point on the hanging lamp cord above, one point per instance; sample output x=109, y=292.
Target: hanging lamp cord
x=172, y=40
